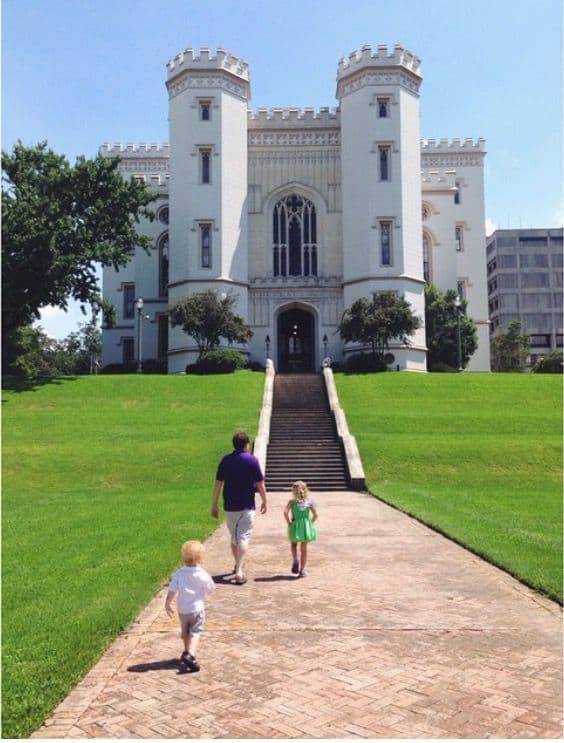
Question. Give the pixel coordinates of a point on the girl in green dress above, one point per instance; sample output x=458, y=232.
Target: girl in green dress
x=300, y=514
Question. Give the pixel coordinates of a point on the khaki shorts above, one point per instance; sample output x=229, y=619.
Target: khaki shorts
x=192, y=624
x=240, y=525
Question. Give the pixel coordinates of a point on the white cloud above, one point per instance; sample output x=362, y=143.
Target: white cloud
x=491, y=226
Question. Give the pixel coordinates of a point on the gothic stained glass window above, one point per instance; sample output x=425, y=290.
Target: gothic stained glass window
x=294, y=238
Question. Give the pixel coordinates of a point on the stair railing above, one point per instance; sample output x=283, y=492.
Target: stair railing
x=263, y=435
x=352, y=455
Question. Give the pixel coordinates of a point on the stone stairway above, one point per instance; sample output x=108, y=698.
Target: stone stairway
x=303, y=440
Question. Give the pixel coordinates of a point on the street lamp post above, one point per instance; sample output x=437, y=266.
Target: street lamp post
x=325, y=342
x=267, y=344
x=458, y=305
x=139, y=305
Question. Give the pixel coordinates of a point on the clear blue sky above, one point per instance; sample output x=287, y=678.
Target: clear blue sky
x=82, y=72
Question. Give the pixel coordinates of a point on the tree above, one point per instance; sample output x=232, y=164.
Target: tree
x=38, y=355
x=510, y=349
x=377, y=321
x=441, y=325
x=59, y=221
x=207, y=317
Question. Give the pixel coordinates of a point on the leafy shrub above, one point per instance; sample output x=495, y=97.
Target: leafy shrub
x=364, y=362
x=221, y=361
x=441, y=367
x=155, y=366
x=550, y=363
x=129, y=368
x=254, y=366
x=150, y=366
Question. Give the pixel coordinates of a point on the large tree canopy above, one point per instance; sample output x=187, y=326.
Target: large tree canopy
x=376, y=321
x=441, y=325
x=59, y=221
x=207, y=317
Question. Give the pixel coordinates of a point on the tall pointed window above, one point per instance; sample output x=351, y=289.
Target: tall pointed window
x=205, y=165
x=294, y=237
x=163, y=265
x=205, y=245
x=384, y=157
x=426, y=259
x=386, y=243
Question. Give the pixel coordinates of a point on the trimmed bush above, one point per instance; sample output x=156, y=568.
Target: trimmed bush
x=550, y=363
x=150, y=366
x=360, y=363
x=220, y=361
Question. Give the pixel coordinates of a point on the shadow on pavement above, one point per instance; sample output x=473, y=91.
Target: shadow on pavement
x=159, y=665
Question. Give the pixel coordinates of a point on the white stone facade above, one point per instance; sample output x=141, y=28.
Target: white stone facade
x=300, y=212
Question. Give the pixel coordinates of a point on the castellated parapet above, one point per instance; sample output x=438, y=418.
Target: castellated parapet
x=134, y=150
x=294, y=118
x=381, y=57
x=448, y=146
x=207, y=61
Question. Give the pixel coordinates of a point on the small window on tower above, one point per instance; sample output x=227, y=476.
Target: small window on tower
x=383, y=108
x=384, y=156
x=205, y=111
x=205, y=166
x=205, y=245
x=386, y=243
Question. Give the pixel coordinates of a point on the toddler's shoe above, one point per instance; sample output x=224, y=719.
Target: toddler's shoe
x=303, y=573
x=295, y=567
x=188, y=661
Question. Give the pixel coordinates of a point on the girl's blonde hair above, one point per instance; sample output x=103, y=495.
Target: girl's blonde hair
x=192, y=552
x=299, y=489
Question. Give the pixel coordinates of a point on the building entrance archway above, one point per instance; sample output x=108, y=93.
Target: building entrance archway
x=296, y=348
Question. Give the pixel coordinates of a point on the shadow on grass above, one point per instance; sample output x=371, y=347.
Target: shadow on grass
x=173, y=664
x=18, y=384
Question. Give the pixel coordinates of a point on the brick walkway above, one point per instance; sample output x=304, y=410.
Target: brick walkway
x=396, y=633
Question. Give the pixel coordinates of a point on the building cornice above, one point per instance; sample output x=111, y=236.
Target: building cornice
x=214, y=79
x=186, y=282
x=387, y=277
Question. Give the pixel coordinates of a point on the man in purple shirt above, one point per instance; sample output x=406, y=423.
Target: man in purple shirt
x=240, y=475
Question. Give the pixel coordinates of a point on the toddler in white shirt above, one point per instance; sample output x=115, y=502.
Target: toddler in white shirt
x=191, y=583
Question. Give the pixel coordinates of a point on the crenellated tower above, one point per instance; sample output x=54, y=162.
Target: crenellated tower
x=378, y=91
x=208, y=99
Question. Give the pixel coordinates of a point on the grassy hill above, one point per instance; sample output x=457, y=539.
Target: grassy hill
x=104, y=477
x=477, y=456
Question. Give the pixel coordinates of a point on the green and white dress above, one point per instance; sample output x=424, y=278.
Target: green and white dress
x=302, y=528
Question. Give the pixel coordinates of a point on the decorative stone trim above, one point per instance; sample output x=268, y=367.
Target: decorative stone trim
x=294, y=138
x=263, y=435
x=214, y=80
x=352, y=455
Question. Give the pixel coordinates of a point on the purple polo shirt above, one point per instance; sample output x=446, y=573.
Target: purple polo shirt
x=239, y=471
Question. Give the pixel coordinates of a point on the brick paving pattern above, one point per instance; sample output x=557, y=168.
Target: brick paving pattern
x=396, y=633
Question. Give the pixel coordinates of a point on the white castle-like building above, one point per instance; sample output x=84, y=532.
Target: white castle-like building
x=298, y=213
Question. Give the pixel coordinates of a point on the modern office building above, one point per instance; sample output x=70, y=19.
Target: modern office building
x=525, y=284
x=298, y=213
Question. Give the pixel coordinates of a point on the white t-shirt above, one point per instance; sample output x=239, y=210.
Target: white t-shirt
x=192, y=583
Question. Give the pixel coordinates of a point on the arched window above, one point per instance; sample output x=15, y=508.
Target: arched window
x=426, y=258
x=163, y=265
x=294, y=237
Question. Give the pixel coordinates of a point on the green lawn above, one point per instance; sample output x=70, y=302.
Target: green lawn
x=103, y=479
x=477, y=456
